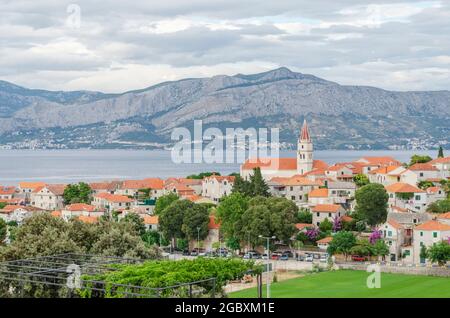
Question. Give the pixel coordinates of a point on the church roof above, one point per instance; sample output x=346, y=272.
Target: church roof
x=304, y=134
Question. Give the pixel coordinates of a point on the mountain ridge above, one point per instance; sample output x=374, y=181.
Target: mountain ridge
x=150, y=113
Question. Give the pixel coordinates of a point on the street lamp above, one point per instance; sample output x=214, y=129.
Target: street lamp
x=198, y=239
x=268, y=262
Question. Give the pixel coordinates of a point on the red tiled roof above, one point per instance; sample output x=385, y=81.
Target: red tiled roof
x=152, y=183
x=384, y=170
x=301, y=226
x=346, y=218
x=394, y=224
x=326, y=208
x=7, y=190
x=433, y=225
x=151, y=219
x=117, y=198
x=304, y=133
x=31, y=185
x=88, y=219
x=325, y=240
x=403, y=188
x=386, y=160
x=423, y=167
x=440, y=160
x=80, y=207
x=318, y=193
x=445, y=215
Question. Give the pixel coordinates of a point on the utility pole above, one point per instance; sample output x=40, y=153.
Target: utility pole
x=268, y=262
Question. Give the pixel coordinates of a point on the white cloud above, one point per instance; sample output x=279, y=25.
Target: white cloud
x=393, y=44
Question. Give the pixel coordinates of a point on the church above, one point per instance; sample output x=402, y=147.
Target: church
x=302, y=164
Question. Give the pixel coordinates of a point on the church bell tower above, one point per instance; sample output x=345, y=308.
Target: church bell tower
x=304, y=150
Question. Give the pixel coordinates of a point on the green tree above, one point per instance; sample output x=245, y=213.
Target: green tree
x=419, y=159
x=342, y=243
x=440, y=206
x=440, y=152
x=326, y=225
x=2, y=205
x=380, y=248
x=423, y=253
x=195, y=222
x=361, y=180
x=164, y=201
x=371, y=203
x=77, y=193
x=202, y=175
x=3, y=231
x=304, y=216
x=136, y=221
x=233, y=243
x=151, y=237
x=268, y=217
x=259, y=185
x=242, y=186
x=439, y=253
x=172, y=217
x=230, y=211
x=182, y=244
x=425, y=184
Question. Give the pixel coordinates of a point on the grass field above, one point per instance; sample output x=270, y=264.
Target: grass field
x=347, y=283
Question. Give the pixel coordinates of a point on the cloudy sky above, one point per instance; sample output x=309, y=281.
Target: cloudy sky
x=115, y=46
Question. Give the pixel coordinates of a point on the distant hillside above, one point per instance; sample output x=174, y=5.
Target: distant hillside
x=341, y=117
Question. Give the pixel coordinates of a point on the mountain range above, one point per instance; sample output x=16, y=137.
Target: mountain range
x=339, y=116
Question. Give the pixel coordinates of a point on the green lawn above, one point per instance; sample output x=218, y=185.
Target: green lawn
x=348, y=283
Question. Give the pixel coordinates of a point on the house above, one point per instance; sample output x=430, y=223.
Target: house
x=397, y=237
x=215, y=187
x=88, y=219
x=112, y=202
x=341, y=192
x=7, y=193
x=427, y=234
x=321, y=212
x=104, y=187
x=180, y=189
x=295, y=188
x=434, y=194
x=194, y=184
x=286, y=167
x=319, y=196
x=339, y=172
x=444, y=218
x=407, y=196
x=425, y=171
x=302, y=227
x=387, y=175
x=26, y=188
x=371, y=163
x=324, y=243
x=48, y=197
x=17, y=213
x=151, y=222
x=132, y=187
x=443, y=166
x=81, y=209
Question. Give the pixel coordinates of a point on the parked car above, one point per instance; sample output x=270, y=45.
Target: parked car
x=201, y=253
x=288, y=253
x=254, y=255
x=309, y=258
x=300, y=258
x=194, y=253
x=247, y=256
x=264, y=256
x=275, y=256
x=323, y=258
x=358, y=258
x=284, y=257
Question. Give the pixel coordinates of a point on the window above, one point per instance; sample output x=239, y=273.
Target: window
x=292, y=197
x=389, y=233
x=329, y=215
x=434, y=234
x=417, y=197
x=291, y=188
x=318, y=214
x=421, y=233
x=406, y=252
